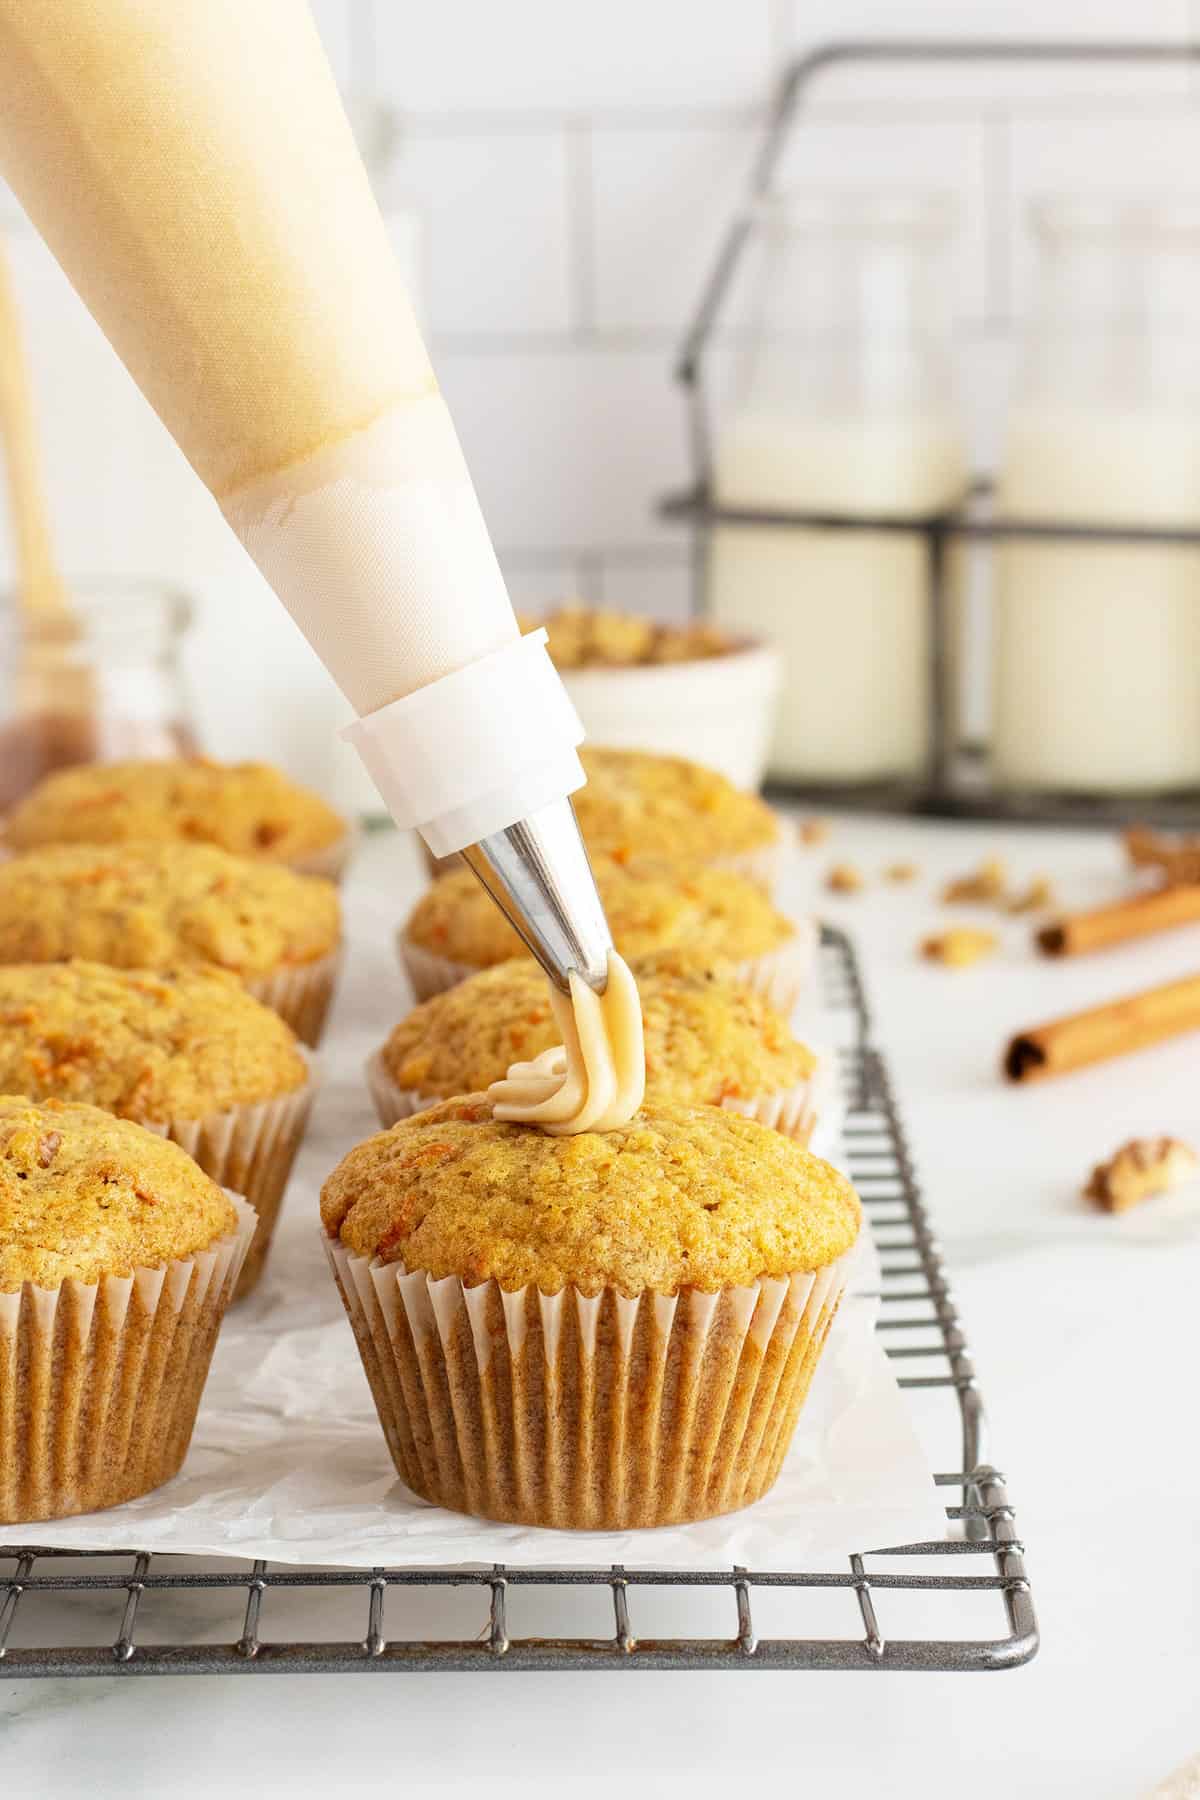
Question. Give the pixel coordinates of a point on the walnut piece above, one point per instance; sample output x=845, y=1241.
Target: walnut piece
x=900, y=872
x=987, y=884
x=1037, y=896
x=1178, y=858
x=959, y=947
x=812, y=831
x=1141, y=1168
x=844, y=878
x=48, y=1147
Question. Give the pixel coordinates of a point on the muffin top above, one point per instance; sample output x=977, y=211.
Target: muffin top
x=680, y=1197
x=589, y=637
x=146, y=1044
x=151, y=906
x=715, y=915
x=706, y=1039
x=248, y=808
x=636, y=804
x=84, y=1195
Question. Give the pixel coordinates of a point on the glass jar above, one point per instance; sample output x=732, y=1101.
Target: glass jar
x=103, y=686
x=1097, y=645
x=845, y=407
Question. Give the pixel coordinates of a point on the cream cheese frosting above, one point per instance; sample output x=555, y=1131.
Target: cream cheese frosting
x=594, y=1080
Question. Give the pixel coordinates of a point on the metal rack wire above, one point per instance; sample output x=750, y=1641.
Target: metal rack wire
x=62, y=1613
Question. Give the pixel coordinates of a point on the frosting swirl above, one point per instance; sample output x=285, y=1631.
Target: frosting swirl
x=594, y=1080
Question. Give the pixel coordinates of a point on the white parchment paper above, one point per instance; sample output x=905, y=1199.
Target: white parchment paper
x=289, y=1463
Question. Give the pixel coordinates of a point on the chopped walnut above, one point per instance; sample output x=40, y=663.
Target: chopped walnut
x=48, y=1147
x=812, y=831
x=1178, y=858
x=1037, y=896
x=1141, y=1168
x=900, y=872
x=844, y=878
x=960, y=946
x=987, y=884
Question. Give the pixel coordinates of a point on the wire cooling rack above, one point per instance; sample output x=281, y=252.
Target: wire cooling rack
x=962, y=1602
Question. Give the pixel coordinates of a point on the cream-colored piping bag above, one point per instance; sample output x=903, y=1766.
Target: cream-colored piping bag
x=191, y=167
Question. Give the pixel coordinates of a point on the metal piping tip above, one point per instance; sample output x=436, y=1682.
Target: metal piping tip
x=537, y=872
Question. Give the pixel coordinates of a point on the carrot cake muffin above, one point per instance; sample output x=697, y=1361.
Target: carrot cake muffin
x=186, y=1051
x=713, y=914
x=636, y=805
x=707, y=1042
x=118, y=1257
x=679, y=1276
x=248, y=808
x=587, y=637
x=150, y=906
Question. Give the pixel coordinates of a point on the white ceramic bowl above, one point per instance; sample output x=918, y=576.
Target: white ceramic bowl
x=716, y=710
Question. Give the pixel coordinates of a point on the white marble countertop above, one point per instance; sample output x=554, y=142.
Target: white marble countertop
x=1084, y=1333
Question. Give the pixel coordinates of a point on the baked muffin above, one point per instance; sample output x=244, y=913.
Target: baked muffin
x=118, y=1258
x=250, y=809
x=591, y=637
x=187, y=1052
x=605, y=1331
x=638, y=805
x=707, y=1041
x=152, y=906
x=717, y=917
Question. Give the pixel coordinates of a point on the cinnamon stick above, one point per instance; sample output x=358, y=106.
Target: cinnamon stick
x=1116, y=1029
x=1160, y=910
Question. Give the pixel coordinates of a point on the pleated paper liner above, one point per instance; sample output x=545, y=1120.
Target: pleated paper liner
x=779, y=975
x=794, y=1111
x=589, y=1414
x=331, y=860
x=764, y=865
x=100, y=1382
x=300, y=993
x=250, y=1149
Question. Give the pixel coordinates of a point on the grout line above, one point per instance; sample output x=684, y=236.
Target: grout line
x=661, y=341
x=581, y=228
x=532, y=557
x=470, y=122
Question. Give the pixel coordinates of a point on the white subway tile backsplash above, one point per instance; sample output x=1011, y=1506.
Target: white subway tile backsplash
x=818, y=22
x=662, y=199
x=660, y=587
x=495, y=239
x=1146, y=151
x=569, y=446
x=335, y=22
x=538, y=581
x=546, y=56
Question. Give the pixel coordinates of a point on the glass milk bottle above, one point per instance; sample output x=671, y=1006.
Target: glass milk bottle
x=1097, y=644
x=845, y=408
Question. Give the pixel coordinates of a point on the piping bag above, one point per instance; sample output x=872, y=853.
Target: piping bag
x=190, y=166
